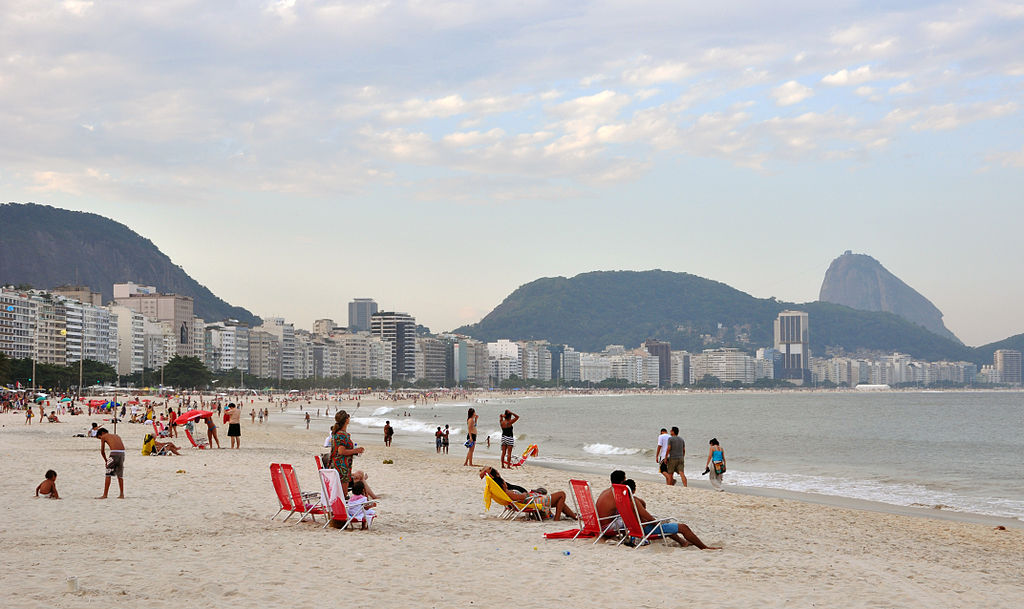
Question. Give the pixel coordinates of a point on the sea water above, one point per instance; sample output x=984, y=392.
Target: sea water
x=961, y=451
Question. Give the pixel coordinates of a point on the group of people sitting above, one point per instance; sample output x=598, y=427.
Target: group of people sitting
x=555, y=506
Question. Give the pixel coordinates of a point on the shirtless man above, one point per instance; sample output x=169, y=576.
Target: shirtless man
x=672, y=530
x=471, y=439
x=115, y=462
x=234, y=416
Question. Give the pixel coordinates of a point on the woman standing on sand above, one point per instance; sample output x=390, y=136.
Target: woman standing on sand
x=342, y=448
x=508, y=439
x=715, y=465
x=471, y=436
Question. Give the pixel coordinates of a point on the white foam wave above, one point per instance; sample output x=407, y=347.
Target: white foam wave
x=383, y=410
x=608, y=449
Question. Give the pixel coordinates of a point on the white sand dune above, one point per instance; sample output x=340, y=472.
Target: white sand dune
x=204, y=538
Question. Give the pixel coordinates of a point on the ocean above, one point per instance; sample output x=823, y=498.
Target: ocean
x=959, y=451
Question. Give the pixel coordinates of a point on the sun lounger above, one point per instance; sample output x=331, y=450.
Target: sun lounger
x=513, y=509
x=281, y=489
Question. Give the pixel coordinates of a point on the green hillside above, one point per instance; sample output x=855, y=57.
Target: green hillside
x=46, y=247
x=592, y=310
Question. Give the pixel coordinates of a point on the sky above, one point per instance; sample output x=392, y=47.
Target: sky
x=293, y=155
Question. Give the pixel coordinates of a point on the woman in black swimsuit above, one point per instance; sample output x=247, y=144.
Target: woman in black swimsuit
x=508, y=439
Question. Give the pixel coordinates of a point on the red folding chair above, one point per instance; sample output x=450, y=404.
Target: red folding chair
x=589, y=522
x=281, y=488
x=300, y=499
x=626, y=506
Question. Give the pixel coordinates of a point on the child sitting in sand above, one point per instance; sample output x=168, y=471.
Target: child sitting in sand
x=48, y=488
x=358, y=505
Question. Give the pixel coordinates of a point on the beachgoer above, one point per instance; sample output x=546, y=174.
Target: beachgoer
x=211, y=433
x=437, y=440
x=672, y=530
x=389, y=432
x=150, y=446
x=471, y=436
x=661, y=454
x=48, y=487
x=554, y=501
x=114, y=464
x=715, y=465
x=252, y=415
x=28, y=416
x=343, y=448
x=360, y=476
x=674, y=462
x=508, y=438
x=605, y=504
x=234, y=415
x=261, y=417
x=92, y=432
x=307, y=419
x=359, y=507
x=444, y=440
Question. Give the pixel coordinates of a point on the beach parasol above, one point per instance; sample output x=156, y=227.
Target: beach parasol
x=65, y=399
x=192, y=415
x=40, y=398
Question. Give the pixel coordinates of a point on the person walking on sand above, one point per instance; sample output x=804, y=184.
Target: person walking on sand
x=114, y=464
x=661, y=454
x=234, y=415
x=307, y=420
x=471, y=420
x=389, y=433
x=715, y=465
x=508, y=438
x=674, y=463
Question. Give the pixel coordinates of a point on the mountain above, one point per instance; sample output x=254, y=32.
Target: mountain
x=592, y=310
x=46, y=247
x=860, y=282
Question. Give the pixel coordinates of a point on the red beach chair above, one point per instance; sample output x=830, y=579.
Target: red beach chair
x=299, y=499
x=332, y=495
x=531, y=451
x=590, y=524
x=281, y=489
x=631, y=518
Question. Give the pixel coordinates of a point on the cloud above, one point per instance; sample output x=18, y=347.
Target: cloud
x=790, y=93
x=846, y=77
x=652, y=75
x=952, y=116
x=1007, y=159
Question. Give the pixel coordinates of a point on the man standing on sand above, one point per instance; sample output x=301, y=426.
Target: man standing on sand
x=114, y=463
x=674, y=463
x=389, y=431
x=661, y=454
x=234, y=425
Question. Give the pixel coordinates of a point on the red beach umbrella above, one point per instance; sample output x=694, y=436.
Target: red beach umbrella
x=192, y=415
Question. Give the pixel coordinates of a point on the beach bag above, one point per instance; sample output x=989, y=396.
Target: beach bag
x=719, y=467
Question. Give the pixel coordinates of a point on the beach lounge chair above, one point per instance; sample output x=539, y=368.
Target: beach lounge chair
x=531, y=451
x=590, y=524
x=319, y=462
x=631, y=519
x=513, y=509
x=300, y=500
x=332, y=496
x=281, y=489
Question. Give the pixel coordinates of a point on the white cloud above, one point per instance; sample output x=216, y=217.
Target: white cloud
x=902, y=89
x=952, y=116
x=662, y=73
x=846, y=77
x=790, y=93
x=1008, y=159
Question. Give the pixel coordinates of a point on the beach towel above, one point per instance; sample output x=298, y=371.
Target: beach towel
x=570, y=534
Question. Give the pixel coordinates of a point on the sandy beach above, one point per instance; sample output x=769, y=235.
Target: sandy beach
x=203, y=537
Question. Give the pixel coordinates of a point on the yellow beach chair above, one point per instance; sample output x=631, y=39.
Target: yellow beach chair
x=513, y=509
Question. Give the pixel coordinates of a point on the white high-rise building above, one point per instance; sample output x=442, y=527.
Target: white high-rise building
x=285, y=333
x=17, y=324
x=131, y=339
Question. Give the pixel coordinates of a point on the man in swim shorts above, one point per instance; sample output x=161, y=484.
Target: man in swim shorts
x=676, y=453
x=234, y=416
x=114, y=463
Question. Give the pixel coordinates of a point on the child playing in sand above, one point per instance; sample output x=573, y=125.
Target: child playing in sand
x=48, y=487
x=357, y=505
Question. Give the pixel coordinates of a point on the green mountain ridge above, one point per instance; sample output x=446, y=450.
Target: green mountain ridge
x=46, y=247
x=600, y=308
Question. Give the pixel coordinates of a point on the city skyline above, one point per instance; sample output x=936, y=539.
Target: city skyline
x=435, y=157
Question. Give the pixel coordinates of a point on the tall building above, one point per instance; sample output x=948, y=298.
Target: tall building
x=399, y=329
x=323, y=327
x=17, y=324
x=663, y=351
x=792, y=340
x=131, y=339
x=285, y=333
x=360, y=311
x=51, y=329
x=226, y=346
x=264, y=354
x=1007, y=362
x=172, y=308
x=80, y=293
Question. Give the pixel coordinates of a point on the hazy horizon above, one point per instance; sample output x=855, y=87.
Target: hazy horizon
x=435, y=156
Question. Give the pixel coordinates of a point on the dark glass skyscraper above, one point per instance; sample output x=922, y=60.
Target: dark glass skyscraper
x=359, y=312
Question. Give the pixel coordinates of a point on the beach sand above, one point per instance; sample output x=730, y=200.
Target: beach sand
x=204, y=538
